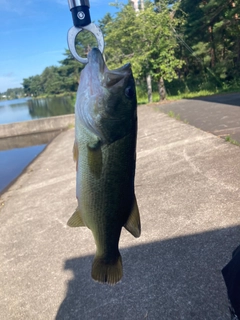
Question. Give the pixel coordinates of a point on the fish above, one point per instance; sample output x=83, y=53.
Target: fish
x=105, y=154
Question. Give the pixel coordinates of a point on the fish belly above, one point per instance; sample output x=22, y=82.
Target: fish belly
x=105, y=184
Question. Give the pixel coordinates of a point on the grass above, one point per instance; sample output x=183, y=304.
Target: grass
x=189, y=95
x=72, y=95
x=171, y=114
x=232, y=141
x=70, y=126
x=143, y=99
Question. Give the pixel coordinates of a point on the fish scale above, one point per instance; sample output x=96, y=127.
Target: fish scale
x=105, y=151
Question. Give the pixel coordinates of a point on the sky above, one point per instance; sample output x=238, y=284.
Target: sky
x=33, y=36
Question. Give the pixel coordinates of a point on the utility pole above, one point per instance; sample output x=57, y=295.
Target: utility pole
x=135, y=5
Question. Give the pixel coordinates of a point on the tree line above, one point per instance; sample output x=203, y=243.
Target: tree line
x=14, y=93
x=173, y=46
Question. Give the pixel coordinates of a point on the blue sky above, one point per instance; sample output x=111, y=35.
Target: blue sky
x=33, y=36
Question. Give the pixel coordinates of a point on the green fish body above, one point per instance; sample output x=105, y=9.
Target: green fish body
x=105, y=153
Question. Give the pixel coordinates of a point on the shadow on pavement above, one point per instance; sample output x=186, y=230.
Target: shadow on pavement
x=177, y=278
x=230, y=98
x=219, y=114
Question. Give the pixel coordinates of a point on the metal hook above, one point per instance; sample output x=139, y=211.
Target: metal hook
x=72, y=34
x=82, y=21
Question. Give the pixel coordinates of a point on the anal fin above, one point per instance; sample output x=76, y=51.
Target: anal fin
x=133, y=224
x=76, y=219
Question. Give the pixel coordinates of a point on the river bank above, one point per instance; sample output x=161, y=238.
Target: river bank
x=26, y=127
x=36, y=126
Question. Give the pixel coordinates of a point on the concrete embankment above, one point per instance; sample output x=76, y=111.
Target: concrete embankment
x=36, y=126
x=27, y=140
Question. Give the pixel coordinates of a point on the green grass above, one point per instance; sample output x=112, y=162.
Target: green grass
x=143, y=99
x=72, y=95
x=71, y=125
x=171, y=114
x=189, y=95
x=232, y=141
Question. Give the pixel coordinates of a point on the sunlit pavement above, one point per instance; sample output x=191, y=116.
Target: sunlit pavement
x=187, y=187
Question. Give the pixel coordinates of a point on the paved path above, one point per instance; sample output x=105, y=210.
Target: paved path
x=187, y=186
x=219, y=114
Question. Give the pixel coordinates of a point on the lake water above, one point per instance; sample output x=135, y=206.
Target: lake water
x=27, y=109
x=14, y=160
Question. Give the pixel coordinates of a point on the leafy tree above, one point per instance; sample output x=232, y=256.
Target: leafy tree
x=211, y=29
x=51, y=80
x=13, y=93
x=102, y=23
x=197, y=42
x=32, y=86
x=146, y=40
x=70, y=70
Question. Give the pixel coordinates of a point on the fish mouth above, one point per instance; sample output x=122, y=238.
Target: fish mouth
x=116, y=77
x=101, y=91
x=109, y=77
x=96, y=61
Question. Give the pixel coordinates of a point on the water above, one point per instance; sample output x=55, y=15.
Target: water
x=27, y=109
x=13, y=162
x=17, y=152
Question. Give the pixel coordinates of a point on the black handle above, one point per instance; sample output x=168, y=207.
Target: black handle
x=80, y=12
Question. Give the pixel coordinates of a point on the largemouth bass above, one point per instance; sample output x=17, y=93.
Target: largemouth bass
x=105, y=154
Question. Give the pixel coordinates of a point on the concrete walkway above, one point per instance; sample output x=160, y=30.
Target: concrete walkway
x=218, y=114
x=187, y=186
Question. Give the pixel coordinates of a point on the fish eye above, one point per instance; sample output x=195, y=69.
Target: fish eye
x=129, y=92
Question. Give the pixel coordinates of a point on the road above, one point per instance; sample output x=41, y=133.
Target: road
x=218, y=114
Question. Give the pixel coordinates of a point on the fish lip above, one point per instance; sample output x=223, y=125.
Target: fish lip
x=108, y=78
x=116, y=77
x=126, y=68
x=96, y=61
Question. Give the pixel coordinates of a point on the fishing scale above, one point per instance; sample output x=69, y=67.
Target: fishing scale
x=82, y=21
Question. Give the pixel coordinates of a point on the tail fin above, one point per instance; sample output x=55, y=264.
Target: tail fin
x=107, y=272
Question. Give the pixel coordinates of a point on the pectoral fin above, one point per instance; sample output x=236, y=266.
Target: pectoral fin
x=75, y=153
x=133, y=224
x=95, y=158
x=76, y=220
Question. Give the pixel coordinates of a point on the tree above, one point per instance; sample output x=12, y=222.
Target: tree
x=146, y=40
x=211, y=29
x=32, y=86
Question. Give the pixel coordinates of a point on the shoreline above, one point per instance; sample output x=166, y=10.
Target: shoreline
x=21, y=135
x=37, y=126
